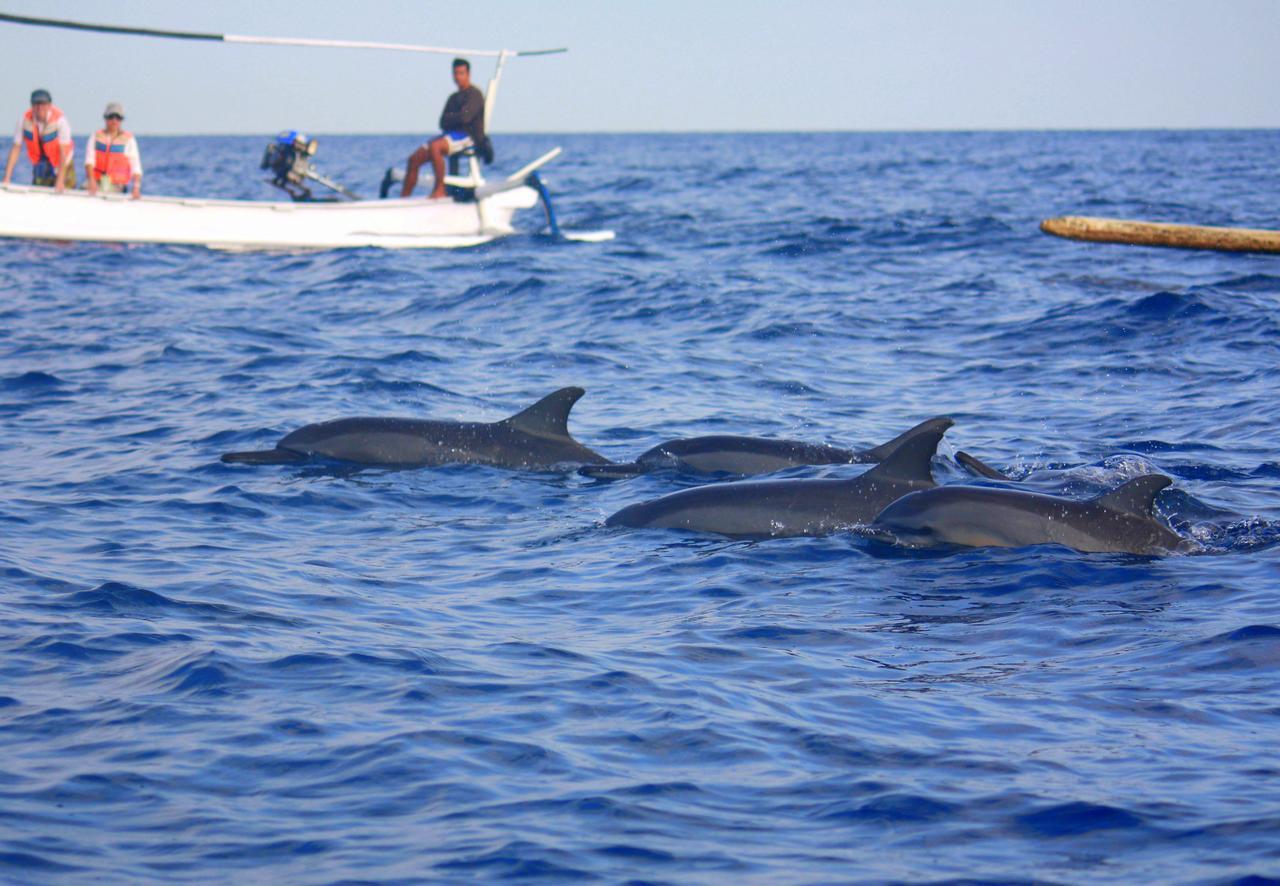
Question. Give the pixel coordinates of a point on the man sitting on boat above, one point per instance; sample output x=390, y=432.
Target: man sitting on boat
x=111, y=159
x=47, y=134
x=462, y=125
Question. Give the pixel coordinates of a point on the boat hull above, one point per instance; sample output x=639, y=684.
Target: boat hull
x=38, y=213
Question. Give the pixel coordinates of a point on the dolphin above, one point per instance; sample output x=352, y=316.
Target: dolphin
x=1119, y=521
x=980, y=468
x=535, y=439
x=776, y=508
x=745, y=456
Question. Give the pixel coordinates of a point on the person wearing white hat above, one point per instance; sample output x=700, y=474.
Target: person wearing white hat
x=111, y=158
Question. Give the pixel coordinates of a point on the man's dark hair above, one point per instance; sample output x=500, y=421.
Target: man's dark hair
x=462, y=63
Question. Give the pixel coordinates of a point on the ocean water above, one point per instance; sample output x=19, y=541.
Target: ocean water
x=216, y=672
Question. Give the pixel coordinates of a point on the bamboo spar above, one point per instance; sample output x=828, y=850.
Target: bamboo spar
x=265, y=41
x=1143, y=233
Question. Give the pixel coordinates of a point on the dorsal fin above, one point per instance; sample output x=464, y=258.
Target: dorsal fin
x=1138, y=496
x=884, y=450
x=910, y=461
x=549, y=417
x=980, y=468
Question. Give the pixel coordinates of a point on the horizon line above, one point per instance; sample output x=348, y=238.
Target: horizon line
x=680, y=132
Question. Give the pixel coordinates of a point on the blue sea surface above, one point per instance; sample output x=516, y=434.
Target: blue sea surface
x=316, y=673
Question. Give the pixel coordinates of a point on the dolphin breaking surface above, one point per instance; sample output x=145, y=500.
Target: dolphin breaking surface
x=898, y=499
x=747, y=456
x=535, y=439
x=777, y=508
x=1119, y=521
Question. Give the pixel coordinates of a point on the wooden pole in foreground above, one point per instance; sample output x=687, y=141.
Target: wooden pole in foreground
x=1141, y=233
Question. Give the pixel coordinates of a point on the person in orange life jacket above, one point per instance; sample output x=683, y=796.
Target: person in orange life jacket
x=111, y=159
x=462, y=123
x=47, y=135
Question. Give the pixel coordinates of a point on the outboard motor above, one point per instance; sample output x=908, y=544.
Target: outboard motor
x=289, y=159
x=390, y=179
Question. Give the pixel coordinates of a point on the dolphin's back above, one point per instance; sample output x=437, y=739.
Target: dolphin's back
x=971, y=516
x=724, y=454
x=535, y=438
x=767, y=508
x=1121, y=521
x=790, y=507
x=387, y=441
x=750, y=456
x=727, y=454
x=417, y=442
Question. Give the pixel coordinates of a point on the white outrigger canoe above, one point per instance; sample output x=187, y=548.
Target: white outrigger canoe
x=476, y=213
x=413, y=223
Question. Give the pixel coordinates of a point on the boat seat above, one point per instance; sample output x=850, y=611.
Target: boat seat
x=462, y=186
x=455, y=160
x=474, y=154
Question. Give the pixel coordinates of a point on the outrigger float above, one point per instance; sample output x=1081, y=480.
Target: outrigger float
x=476, y=211
x=1145, y=233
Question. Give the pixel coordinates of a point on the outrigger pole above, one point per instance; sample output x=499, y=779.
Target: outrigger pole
x=490, y=93
x=267, y=41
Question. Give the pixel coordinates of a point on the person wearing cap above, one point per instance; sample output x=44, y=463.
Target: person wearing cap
x=462, y=122
x=111, y=159
x=47, y=134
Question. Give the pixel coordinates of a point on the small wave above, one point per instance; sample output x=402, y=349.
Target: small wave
x=129, y=601
x=1254, y=647
x=1171, y=306
x=520, y=860
x=890, y=809
x=1250, y=283
x=32, y=383
x=785, y=330
x=202, y=674
x=120, y=599
x=175, y=352
x=805, y=246
x=264, y=850
x=321, y=664
x=632, y=185
x=536, y=652
x=1269, y=634
x=31, y=862
x=68, y=650
x=1074, y=819
x=785, y=636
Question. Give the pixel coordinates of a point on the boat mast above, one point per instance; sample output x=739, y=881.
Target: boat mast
x=491, y=92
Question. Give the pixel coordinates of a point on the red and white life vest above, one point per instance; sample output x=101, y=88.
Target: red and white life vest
x=109, y=158
x=42, y=138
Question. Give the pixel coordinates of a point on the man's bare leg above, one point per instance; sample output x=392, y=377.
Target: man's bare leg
x=416, y=159
x=439, y=150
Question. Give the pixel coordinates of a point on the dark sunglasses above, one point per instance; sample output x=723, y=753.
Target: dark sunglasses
x=112, y=117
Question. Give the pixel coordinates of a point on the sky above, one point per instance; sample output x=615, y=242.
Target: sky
x=666, y=65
